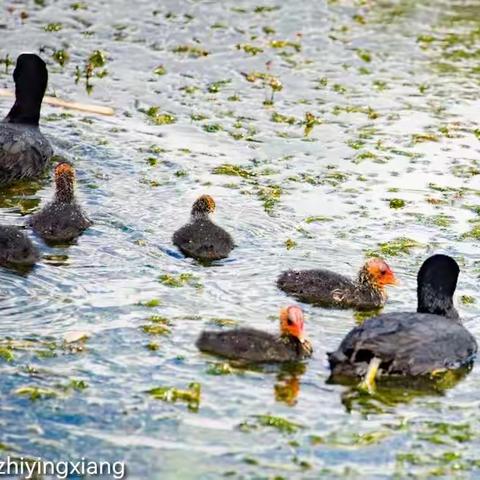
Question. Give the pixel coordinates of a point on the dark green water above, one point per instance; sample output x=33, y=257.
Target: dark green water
x=393, y=87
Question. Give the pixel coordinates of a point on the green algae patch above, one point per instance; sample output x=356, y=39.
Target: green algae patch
x=61, y=57
x=53, y=27
x=78, y=385
x=36, y=393
x=396, y=203
x=191, y=396
x=424, y=137
x=215, y=87
x=474, y=233
x=395, y=247
x=154, y=302
x=222, y=368
x=249, y=48
x=179, y=281
x=159, y=118
x=159, y=328
x=232, y=170
x=191, y=51
x=279, y=118
x=7, y=354
x=467, y=299
x=310, y=121
x=160, y=70
x=278, y=423
x=285, y=44
x=318, y=219
x=270, y=196
x=289, y=244
x=212, y=127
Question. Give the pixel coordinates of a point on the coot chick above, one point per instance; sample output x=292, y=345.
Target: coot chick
x=16, y=249
x=201, y=238
x=408, y=343
x=255, y=346
x=61, y=220
x=329, y=289
x=24, y=151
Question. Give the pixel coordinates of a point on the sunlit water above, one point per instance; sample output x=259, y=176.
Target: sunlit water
x=394, y=86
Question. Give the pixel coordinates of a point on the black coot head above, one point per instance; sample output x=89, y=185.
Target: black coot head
x=436, y=284
x=30, y=76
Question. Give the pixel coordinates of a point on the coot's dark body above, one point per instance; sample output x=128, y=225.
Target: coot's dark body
x=24, y=151
x=201, y=238
x=408, y=343
x=329, y=289
x=16, y=249
x=253, y=346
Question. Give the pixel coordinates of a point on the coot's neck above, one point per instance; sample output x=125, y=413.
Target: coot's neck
x=198, y=214
x=64, y=189
x=25, y=111
x=430, y=301
x=301, y=348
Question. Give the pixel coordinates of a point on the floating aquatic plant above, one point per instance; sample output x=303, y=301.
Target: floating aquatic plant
x=191, y=51
x=281, y=424
x=191, y=396
x=395, y=247
x=179, y=281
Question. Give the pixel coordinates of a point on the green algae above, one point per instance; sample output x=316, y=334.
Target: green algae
x=395, y=247
x=53, y=27
x=270, y=196
x=61, y=57
x=191, y=51
x=159, y=118
x=290, y=244
x=160, y=70
x=34, y=393
x=318, y=219
x=396, y=203
x=278, y=423
x=279, y=118
x=217, y=86
x=192, y=396
x=179, y=281
x=233, y=170
x=249, y=48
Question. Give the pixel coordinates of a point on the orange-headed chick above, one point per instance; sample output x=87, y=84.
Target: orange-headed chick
x=61, y=220
x=329, y=289
x=200, y=238
x=256, y=346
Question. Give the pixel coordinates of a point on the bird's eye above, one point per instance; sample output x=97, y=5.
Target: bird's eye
x=289, y=322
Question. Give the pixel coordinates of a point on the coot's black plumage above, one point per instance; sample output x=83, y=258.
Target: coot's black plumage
x=408, y=343
x=201, y=238
x=16, y=249
x=329, y=289
x=62, y=219
x=256, y=346
x=24, y=151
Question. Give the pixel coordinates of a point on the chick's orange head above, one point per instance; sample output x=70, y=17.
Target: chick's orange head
x=205, y=203
x=381, y=273
x=292, y=322
x=64, y=169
